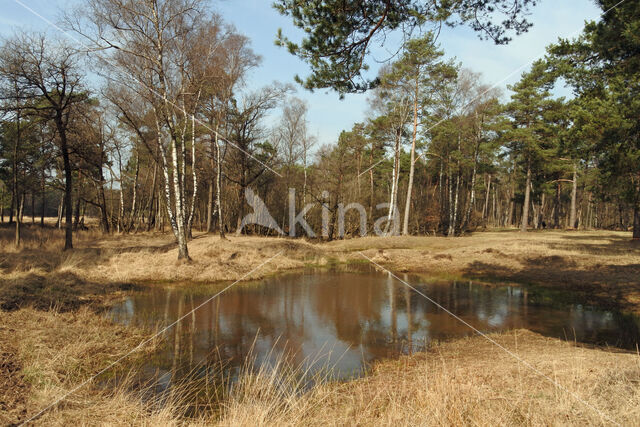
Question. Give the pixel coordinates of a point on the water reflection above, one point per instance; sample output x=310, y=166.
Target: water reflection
x=345, y=320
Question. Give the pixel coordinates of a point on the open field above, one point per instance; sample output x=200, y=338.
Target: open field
x=52, y=335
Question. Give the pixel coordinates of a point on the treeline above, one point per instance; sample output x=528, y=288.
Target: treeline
x=162, y=134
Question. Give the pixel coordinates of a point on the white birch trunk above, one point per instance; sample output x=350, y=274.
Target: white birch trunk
x=407, y=206
x=394, y=185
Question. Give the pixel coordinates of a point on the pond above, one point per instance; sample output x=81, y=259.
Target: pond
x=344, y=320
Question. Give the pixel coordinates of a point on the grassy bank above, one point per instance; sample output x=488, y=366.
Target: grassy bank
x=53, y=337
x=46, y=353
x=602, y=267
x=468, y=381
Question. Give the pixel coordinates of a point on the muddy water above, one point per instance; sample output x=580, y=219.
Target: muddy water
x=345, y=320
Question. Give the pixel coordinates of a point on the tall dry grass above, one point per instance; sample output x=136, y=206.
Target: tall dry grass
x=464, y=382
x=148, y=257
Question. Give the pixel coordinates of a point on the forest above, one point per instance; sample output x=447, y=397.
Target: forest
x=171, y=139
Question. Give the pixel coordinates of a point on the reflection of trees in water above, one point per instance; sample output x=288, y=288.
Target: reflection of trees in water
x=373, y=315
x=348, y=306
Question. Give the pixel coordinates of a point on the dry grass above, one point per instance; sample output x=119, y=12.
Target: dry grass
x=465, y=382
x=212, y=260
x=601, y=266
x=469, y=381
x=51, y=353
x=147, y=257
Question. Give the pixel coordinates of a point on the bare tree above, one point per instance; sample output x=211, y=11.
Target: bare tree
x=292, y=130
x=396, y=106
x=223, y=73
x=292, y=134
x=247, y=130
x=48, y=75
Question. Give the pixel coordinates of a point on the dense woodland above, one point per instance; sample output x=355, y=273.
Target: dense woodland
x=147, y=124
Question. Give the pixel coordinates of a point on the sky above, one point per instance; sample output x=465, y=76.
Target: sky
x=328, y=115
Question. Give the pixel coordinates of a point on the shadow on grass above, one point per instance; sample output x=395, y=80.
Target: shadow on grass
x=609, y=285
x=60, y=291
x=598, y=245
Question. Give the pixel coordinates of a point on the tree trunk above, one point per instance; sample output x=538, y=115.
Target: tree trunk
x=453, y=214
x=194, y=176
x=68, y=184
x=19, y=209
x=13, y=203
x=183, y=252
x=441, y=191
x=76, y=211
x=134, y=195
x=102, y=199
x=152, y=218
x=212, y=184
x=44, y=200
x=450, y=201
x=394, y=184
x=241, y=195
x=496, y=207
x=525, y=206
x=371, y=195
x=485, y=208
x=407, y=206
x=16, y=193
x=210, y=202
x=219, y=188
x=636, y=212
x=543, y=200
x=176, y=218
x=60, y=211
x=304, y=182
x=512, y=203
x=556, y=211
x=574, y=194
x=472, y=196
x=454, y=220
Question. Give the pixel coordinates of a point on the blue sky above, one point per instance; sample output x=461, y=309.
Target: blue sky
x=328, y=115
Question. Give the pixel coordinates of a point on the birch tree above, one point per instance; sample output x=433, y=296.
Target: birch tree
x=396, y=106
x=150, y=46
x=229, y=65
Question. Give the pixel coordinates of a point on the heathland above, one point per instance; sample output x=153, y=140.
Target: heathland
x=53, y=334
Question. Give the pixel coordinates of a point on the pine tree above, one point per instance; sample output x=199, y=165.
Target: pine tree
x=529, y=109
x=602, y=65
x=338, y=33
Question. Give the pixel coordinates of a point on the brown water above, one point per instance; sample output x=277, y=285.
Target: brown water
x=345, y=320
